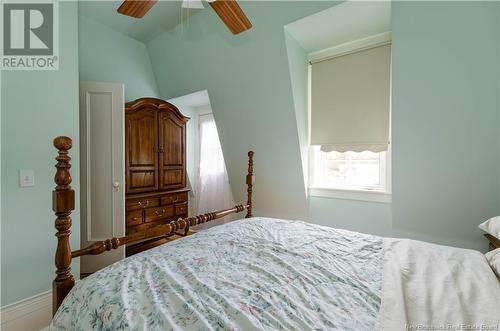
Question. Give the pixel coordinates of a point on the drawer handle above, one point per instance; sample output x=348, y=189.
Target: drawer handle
x=160, y=214
x=143, y=205
x=176, y=199
x=135, y=218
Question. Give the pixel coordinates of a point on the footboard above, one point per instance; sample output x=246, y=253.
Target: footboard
x=63, y=203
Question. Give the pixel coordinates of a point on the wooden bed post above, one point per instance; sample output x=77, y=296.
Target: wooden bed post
x=63, y=202
x=249, y=184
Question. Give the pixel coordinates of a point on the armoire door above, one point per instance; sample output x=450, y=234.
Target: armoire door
x=141, y=161
x=172, y=142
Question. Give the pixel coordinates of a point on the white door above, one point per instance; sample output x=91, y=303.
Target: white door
x=102, y=163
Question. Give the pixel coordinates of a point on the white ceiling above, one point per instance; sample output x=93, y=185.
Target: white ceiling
x=345, y=22
x=165, y=15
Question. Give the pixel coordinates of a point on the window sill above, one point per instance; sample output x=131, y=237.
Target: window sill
x=373, y=196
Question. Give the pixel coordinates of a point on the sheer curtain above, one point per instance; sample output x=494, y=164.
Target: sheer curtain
x=214, y=191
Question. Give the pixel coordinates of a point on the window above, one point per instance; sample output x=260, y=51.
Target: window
x=349, y=124
x=349, y=170
x=350, y=175
x=214, y=191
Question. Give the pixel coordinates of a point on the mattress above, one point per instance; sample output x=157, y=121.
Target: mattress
x=251, y=274
x=271, y=274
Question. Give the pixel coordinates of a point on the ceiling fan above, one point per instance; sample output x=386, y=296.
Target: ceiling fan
x=228, y=10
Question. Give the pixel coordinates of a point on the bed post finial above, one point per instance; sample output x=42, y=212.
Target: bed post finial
x=63, y=202
x=249, y=184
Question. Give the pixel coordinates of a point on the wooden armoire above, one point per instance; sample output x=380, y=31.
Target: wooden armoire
x=155, y=167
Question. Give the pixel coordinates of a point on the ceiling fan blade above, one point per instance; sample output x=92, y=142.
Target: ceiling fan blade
x=136, y=8
x=231, y=14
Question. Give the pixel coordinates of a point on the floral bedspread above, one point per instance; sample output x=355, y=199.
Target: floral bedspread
x=251, y=274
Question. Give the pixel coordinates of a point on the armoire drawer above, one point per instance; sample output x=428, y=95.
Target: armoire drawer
x=150, y=225
x=174, y=198
x=138, y=228
x=134, y=217
x=181, y=208
x=134, y=204
x=155, y=214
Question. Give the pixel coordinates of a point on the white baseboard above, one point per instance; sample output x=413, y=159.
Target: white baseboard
x=30, y=314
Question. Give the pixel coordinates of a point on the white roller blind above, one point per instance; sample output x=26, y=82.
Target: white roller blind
x=350, y=101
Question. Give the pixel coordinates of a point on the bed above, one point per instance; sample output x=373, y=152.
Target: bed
x=270, y=274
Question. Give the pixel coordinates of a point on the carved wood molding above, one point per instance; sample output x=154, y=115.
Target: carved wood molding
x=157, y=104
x=63, y=202
x=493, y=242
x=249, y=182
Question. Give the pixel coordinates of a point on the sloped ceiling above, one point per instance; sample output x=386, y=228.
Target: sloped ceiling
x=163, y=16
x=248, y=80
x=194, y=100
x=346, y=22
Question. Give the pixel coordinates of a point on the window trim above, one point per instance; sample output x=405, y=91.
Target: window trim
x=384, y=38
x=362, y=195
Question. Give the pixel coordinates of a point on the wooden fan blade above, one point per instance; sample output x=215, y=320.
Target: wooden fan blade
x=231, y=14
x=136, y=8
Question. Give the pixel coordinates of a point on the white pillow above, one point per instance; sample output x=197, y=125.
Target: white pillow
x=492, y=226
x=493, y=258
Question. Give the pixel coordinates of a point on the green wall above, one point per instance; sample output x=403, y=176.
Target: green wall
x=498, y=103
x=298, y=64
x=445, y=118
x=110, y=56
x=248, y=80
x=445, y=114
x=36, y=107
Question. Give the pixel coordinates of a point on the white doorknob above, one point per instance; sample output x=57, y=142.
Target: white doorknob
x=116, y=185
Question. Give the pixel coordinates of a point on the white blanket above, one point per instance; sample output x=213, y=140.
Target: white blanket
x=433, y=287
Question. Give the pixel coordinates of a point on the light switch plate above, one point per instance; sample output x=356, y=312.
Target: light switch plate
x=26, y=178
